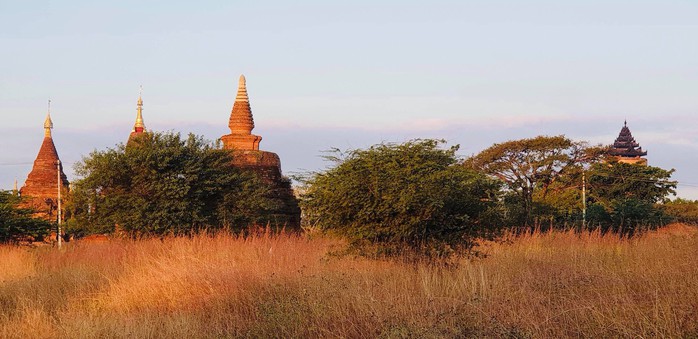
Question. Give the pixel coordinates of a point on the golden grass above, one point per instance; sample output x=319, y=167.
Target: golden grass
x=534, y=285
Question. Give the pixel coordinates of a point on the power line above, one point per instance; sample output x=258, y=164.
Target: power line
x=15, y=163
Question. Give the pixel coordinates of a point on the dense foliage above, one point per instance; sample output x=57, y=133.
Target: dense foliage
x=624, y=196
x=391, y=195
x=682, y=210
x=161, y=183
x=17, y=223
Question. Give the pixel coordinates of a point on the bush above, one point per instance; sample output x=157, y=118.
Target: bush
x=681, y=210
x=395, y=195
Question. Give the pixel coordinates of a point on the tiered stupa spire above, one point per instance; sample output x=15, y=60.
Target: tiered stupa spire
x=626, y=149
x=241, y=122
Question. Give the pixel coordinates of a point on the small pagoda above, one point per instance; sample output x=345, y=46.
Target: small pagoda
x=248, y=156
x=139, y=126
x=626, y=150
x=40, y=190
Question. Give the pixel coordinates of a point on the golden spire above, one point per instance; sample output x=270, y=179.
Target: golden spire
x=48, y=124
x=139, y=126
x=15, y=190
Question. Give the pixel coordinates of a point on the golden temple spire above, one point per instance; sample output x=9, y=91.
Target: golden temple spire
x=48, y=124
x=139, y=126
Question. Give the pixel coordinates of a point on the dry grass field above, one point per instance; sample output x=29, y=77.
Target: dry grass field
x=546, y=285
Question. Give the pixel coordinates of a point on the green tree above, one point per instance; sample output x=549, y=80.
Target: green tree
x=394, y=195
x=533, y=169
x=17, y=223
x=161, y=183
x=629, y=193
x=612, y=181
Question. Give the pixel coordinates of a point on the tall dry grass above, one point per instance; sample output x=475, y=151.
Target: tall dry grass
x=533, y=285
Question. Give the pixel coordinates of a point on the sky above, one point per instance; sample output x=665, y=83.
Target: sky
x=350, y=74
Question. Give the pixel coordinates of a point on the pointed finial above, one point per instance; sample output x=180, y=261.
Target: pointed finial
x=48, y=124
x=242, y=90
x=140, y=95
x=625, y=123
x=139, y=126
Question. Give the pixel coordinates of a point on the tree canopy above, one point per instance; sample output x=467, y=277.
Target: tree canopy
x=535, y=167
x=390, y=195
x=160, y=183
x=624, y=195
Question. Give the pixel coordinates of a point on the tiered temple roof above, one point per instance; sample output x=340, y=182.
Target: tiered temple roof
x=625, y=145
x=41, y=187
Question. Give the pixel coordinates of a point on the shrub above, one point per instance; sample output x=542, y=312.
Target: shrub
x=395, y=195
x=681, y=210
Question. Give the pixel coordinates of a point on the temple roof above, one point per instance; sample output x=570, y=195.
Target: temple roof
x=625, y=145
x=42, y=181
x=241, y=121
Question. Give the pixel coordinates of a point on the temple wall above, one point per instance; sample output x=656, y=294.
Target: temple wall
x=268, y=166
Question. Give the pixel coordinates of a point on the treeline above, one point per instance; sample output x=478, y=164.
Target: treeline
x=423, y=196
x=418, y=195
x=557, y=182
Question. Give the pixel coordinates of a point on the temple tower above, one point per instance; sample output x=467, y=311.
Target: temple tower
x=139, y=126
x=626, y=150
x=246, y=155
x=241, y=123
x=40, y=190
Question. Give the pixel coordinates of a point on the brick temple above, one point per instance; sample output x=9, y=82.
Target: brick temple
x=40, y=190
x=247, y=155
x=626, y=150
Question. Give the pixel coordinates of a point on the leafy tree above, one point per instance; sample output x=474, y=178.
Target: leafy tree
x=160, y=183
x=628, y=193
x=536, y=168
x=17, y=223
x=392, y=195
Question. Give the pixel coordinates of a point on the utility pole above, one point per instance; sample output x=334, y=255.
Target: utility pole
x=584, y=199
x=58, y=171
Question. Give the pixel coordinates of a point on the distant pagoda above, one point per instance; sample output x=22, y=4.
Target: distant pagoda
x=139, y=126
x=626, y=150
x=40, y=190
x=246, y=155
x=241, y=123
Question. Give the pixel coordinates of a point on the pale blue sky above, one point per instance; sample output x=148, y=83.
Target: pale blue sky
x=350, y=74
